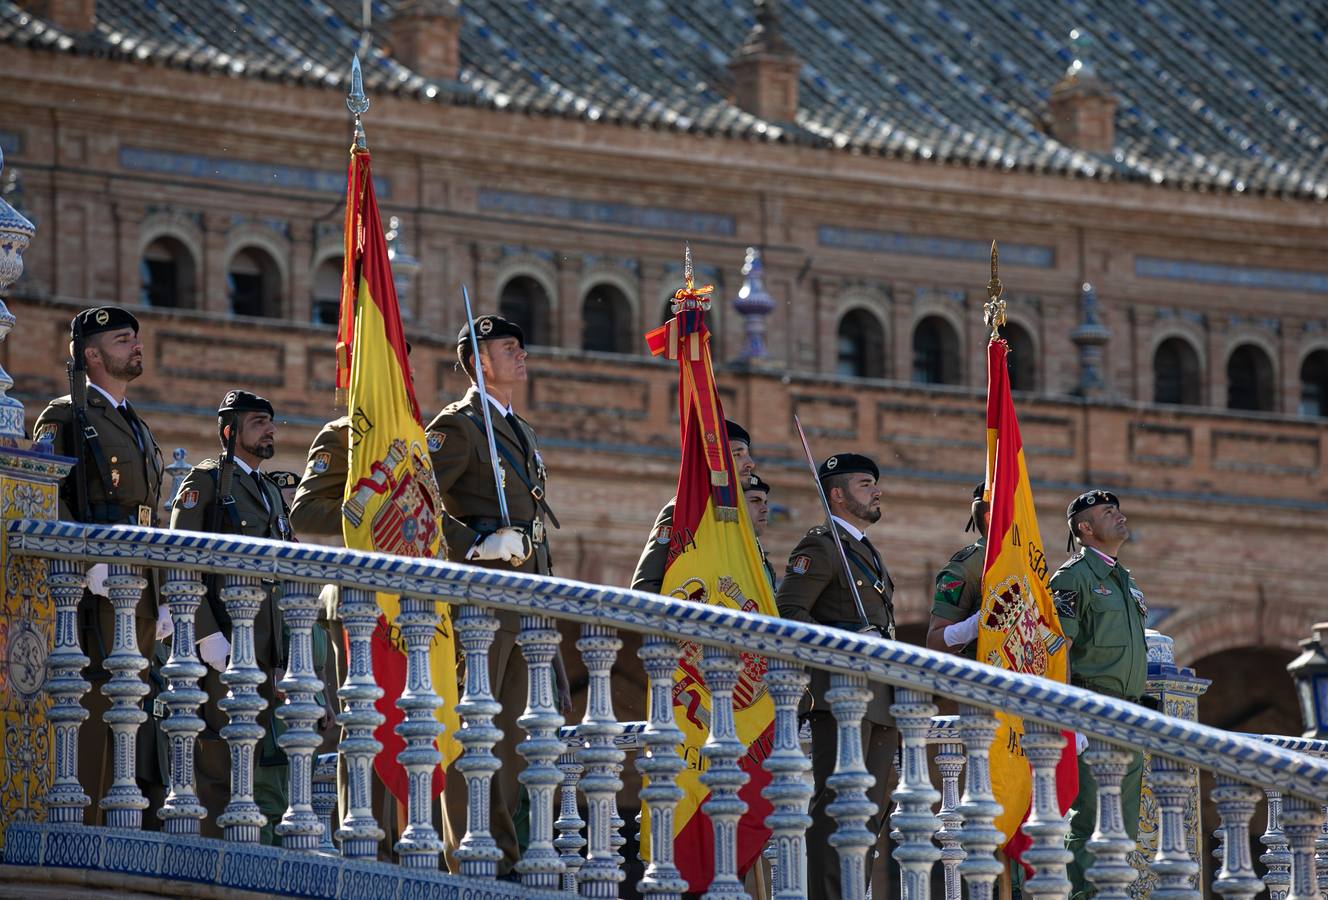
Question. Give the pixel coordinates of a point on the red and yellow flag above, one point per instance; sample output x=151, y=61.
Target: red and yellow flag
x=1019, y=629
x=391, y=502
x=712, y=558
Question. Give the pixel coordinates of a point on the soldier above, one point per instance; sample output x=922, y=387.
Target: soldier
x=958, y=600
x=473, y=532
x=1102, y=613
x=815, y=589
x=117, y=480
x=757, y=494
x=236, y=497
x=649, y=575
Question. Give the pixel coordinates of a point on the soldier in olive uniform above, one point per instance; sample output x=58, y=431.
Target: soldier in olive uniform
x=816, y=590
x=254, y=507
x=958, y=599
x=757, y=494
x=474, y=532
x=1102, y=613
x=120, y=469
x=649, y=575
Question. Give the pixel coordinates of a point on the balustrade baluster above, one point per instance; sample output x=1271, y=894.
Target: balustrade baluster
x=1235, y=804
x=914, y=798
x=359, y=833
x=478, y=852
x=950, y=762
x=660, y=767
x=325, y=799
x=1111, y=872
x=1321, y=849
x=124, y=802
x=979, y=835
x=1175, y=870
x=1302, y=820
x=299, y=827
x=569, y=841
x=183, y=814
x=419, y=846
x=1045, y=825
x=848, y=697
x=601, y=873
x=1277, y=858
x=66, y=687
x=243, y=820
x=723, y=776
x=789, y=792
x=541, y=867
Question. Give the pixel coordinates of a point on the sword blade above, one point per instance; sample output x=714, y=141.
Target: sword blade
x=488, y=417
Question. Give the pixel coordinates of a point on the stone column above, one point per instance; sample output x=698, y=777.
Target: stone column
x=1177, y=691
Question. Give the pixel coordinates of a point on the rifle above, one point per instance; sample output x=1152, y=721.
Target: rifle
x=224, y=501
x=78, y=395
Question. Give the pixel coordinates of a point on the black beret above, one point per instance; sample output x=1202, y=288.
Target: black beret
x=979, y=491
x=843, y=463
x=102, y=318
x=490, y=328
x=1090, y=499
x=754, y=483
x=243, y=401
x=736, y=432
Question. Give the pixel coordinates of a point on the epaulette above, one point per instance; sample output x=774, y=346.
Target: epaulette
x=1069, y=563
x=817, y=530
x=208, y=464
x=965, y=553
x=65, y=400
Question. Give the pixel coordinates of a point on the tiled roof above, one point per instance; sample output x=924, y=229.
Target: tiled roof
x=1212, y=95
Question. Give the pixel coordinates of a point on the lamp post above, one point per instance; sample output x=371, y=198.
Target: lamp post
x=1310, y=671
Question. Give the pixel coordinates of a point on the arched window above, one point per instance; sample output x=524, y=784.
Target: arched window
x=166, y=274
x=326, y=305
x=253, y=283
x=1021, y=360
x=860, y=347
x=606, y=320
x=935, y=352
x=1250, y=379
x=524, y=301
x=1314, y=384
x=1176, y=373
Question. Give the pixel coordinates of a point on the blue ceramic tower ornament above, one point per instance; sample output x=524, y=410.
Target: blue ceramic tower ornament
x=754, y=303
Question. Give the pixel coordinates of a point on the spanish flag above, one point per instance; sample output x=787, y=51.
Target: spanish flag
x=391, y=502
x=712, y=558
x=1018, y=629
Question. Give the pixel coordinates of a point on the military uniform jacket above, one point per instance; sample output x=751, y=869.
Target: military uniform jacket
x=1102, y=613
x=959, y=589
x=649, y=575
x=814, y=590
x=135, y=473
x=316, y=510
x=461, y=465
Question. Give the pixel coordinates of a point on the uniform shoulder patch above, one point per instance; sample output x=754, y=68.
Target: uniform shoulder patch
x=1066, y=602
x=47, y=432
x=799, y=565
x=321, y=462
x=188, y=499
x=435, y=440
x=663, y=534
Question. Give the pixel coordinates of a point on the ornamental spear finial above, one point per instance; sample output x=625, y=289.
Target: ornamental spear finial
x=993, y=311
x=357, y=103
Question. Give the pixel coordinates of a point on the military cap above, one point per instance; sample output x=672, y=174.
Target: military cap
x=490, y=328
x=244, y=401
x=736, y=432
x=754, y=483
x=1089, y=499
x=844, y=463
x=102, y=318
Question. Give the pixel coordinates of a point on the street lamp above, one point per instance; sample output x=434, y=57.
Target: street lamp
x=1310, y=671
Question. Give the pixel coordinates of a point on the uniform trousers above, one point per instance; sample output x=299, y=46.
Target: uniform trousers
x=507, y=680
x=1083, y=821
x=879, y=744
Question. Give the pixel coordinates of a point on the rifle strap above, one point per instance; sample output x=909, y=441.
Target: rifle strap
x=89, y=435
x=518, y=468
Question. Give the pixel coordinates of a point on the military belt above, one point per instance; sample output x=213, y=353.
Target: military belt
x=121, y=514
x=485, y=525
x=1144, y=701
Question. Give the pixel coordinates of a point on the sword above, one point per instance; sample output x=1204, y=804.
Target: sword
x=488, y=418
x=834, y=533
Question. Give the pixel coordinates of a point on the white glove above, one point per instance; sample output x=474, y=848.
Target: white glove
x=506, y=544
x=165, y=626
x=215, y=650
x=97, y=579
x=1080, y=743
x=960, y=634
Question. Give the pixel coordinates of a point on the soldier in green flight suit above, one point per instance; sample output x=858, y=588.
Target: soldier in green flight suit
x=1102, y=613
x=958, y=599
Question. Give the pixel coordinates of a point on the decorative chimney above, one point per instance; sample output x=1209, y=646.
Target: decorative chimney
x=425, y=37
x=1083, y=109
x=765, y=69
x=1090, y=336
x=753, y=304
x=67, y=15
